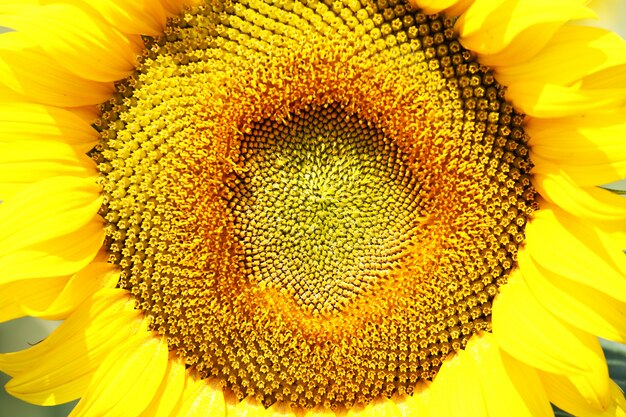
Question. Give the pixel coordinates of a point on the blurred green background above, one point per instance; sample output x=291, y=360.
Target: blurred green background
x=17, y=335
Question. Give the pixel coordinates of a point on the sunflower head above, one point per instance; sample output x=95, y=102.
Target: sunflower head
x=339, y=215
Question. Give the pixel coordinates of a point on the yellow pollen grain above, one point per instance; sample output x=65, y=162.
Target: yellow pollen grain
x=325, y=207
x=314, y=202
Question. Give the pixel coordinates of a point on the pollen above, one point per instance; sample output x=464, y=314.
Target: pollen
x=325, y=208
x=315, y=202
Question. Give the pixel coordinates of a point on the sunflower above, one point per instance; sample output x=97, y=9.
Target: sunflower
x=313, y=208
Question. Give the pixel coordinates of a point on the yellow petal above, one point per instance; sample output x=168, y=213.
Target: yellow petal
x=570, y=394
x=433, y=6
x=528, y=332
x=550, y=100
x=607, y=78
x=8, y=7
x=58, y=256
x=135, y=17
x=169, y=391
x=318, y=411
x=127, y=380
x=509, y=387
x=456, y=390
x=572, y=54
x=380, y=407
x=23, y=163
x=596, y=204
x=174, y=7
x=279, y=409
x=590, y=139
x=573, y=249
x=9, y=96
x=201, y=398
x=579, y=305
x=88, y=114
x=573, y=170
x=249, y=407
x=59, y=369
x=583, y=175
x=21, y=122
x=459, y=8
x=20, y=71
x=80, y=42
x=511, y=31
x=618, y=237
x=417, y=404
x=588, y=147
x=50, y=229
x=18, y=296
x=82, y=285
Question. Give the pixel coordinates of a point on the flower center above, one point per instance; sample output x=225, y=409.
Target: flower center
x=324, y=208
x=315, y=203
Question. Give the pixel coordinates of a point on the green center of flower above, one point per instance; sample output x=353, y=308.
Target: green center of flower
x=314, y=202
x=324, y=208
